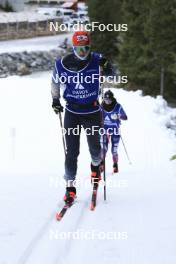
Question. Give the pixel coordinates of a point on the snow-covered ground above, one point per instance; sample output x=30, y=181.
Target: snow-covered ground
x=33, y=44
x=140, y=206
x=30, y=15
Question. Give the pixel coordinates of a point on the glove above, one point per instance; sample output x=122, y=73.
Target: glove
x=115, y=116
x=57, y=107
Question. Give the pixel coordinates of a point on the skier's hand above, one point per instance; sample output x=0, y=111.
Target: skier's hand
x=57, y=107
x=115, y=116
x=118, y=116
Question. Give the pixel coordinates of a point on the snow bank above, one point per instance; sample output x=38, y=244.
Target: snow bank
x=167, y=115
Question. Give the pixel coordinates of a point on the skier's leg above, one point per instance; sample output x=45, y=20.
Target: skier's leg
x=93, y=139
x=114, y=147
x=71, y=121
x=104, y=148
x=104, y=145
x=89, y=122
x=114, y=150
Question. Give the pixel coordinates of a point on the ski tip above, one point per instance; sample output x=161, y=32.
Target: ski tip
x=58, y=217
x=92, y=207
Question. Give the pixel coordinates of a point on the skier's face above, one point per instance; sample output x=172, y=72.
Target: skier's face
x=107, y=101
x=82, y=52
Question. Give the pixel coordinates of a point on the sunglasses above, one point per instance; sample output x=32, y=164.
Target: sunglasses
x=82, y=49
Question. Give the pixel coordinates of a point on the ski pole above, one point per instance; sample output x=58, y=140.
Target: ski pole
x=104, y=172
x=125, y=149
x=63, y=137
x=104, y=154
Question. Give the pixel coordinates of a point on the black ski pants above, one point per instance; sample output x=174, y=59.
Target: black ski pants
x=73, y=124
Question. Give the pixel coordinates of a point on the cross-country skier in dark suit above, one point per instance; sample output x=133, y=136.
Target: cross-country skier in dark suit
x=82, y=106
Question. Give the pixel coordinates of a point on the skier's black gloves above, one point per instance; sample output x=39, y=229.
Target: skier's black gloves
x=57, y=107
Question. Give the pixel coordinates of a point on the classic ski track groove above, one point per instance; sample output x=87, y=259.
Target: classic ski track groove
x=83, y=211
x=36, y=239
x=42, y=231
x=33, y=243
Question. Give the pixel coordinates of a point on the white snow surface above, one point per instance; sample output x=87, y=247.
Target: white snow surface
x=33, y=44
x=24, y=16
x=140, y=201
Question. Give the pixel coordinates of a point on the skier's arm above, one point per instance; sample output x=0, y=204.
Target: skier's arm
x=121, y=114
x=55, y=91
x=55, y=84
x=107, y=68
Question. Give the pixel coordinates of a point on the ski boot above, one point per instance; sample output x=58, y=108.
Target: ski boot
x=95, y=174
x=115, y=167
x=70, y=195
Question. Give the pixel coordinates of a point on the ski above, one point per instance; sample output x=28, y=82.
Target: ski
x=94, y=197
x=60, y=215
